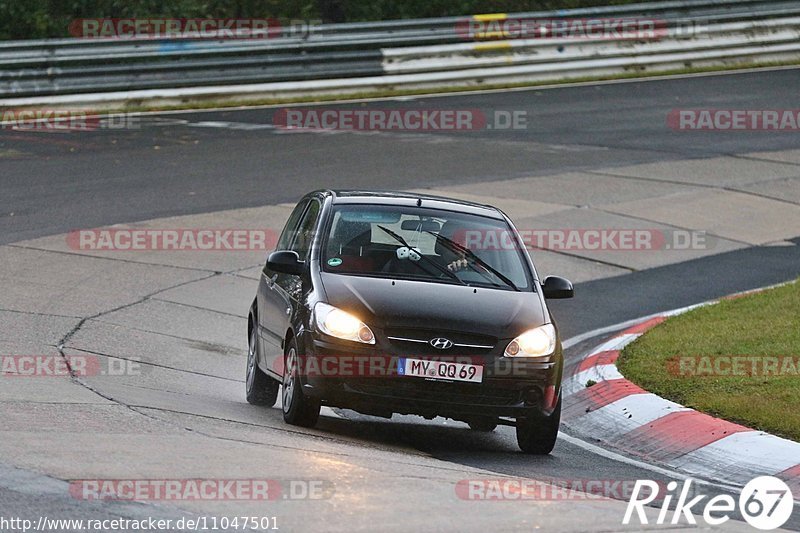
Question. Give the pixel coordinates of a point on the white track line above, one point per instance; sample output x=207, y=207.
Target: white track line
x=572, y=341
x=597, y=450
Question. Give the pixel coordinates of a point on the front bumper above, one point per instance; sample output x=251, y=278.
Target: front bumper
x=365, y=379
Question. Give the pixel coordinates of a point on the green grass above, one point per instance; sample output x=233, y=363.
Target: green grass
x=761, y=324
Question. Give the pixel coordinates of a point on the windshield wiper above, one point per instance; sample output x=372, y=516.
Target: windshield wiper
x=436, y=265
x=457, y=248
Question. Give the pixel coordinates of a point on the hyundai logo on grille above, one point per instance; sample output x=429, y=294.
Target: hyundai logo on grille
x=441, y=343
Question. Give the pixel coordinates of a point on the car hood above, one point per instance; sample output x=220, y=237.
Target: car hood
x=385, y=303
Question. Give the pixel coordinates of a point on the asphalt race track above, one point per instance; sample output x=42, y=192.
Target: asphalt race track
x=196, y=163
x=96, y=179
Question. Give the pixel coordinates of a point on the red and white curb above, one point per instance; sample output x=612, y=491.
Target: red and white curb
x=622, y=415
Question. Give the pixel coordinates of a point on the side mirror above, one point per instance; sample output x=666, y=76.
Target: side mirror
x=556, y=287
x=285, y=262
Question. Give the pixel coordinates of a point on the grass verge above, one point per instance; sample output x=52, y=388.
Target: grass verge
x=762, y=326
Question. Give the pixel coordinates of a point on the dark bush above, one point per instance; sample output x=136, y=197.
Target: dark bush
x=35, y=19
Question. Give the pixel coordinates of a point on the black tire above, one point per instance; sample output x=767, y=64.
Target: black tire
x=484, y=424
x=298, y=409
x=260, y=389
x=537, y=434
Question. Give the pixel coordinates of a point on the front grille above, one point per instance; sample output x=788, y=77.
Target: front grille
x=417, y=340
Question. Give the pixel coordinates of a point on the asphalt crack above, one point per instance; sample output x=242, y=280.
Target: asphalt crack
x=104, y=258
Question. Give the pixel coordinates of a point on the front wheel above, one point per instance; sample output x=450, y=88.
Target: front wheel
x=537, y=434
x=260, y=388
x=298, y=409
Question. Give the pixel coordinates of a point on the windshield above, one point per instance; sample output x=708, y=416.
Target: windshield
x=423, y=244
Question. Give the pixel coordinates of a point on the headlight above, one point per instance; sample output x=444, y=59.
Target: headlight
x=537, y=342
x=337, y=323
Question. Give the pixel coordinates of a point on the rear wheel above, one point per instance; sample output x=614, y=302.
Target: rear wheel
x=298, y=409
x=537, y=434
x=260, y=388
x=484, y=424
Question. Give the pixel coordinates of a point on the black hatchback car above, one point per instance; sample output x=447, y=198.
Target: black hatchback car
x=386, y=302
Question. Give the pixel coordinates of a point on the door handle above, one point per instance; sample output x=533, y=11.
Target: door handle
x=288, y=311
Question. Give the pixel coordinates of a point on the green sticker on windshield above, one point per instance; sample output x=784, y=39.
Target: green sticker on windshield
x=334, y=261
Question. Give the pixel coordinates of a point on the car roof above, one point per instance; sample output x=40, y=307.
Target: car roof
x=410, y=199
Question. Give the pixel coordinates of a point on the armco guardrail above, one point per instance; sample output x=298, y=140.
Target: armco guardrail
x=341, y=58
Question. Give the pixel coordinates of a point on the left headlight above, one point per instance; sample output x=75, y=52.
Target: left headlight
x=537, y=342
x=341, y=324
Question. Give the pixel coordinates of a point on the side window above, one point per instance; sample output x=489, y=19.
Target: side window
x=305, y=233
x=291, y=226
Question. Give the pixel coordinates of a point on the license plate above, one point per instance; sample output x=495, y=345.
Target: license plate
x=440, y=370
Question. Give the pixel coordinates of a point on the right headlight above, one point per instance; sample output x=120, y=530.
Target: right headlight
x=341, y=324
x=537, y=342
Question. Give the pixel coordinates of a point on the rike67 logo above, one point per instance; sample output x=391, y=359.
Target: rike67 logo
x=765, y=503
